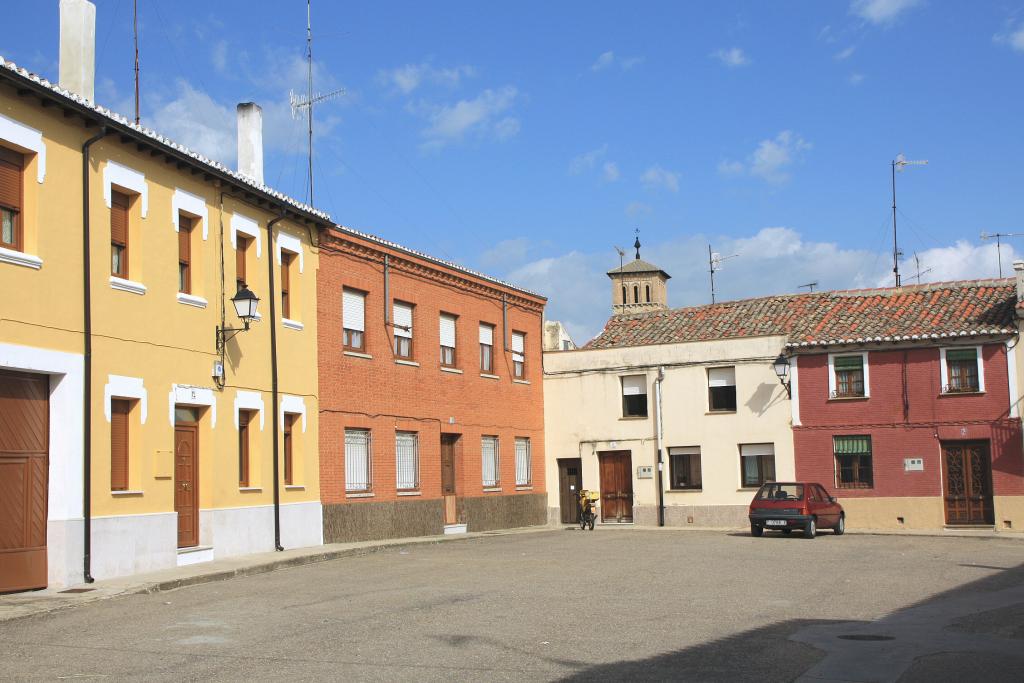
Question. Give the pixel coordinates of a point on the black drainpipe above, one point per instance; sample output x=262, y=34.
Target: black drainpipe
x=273, y=382
x=87, y=378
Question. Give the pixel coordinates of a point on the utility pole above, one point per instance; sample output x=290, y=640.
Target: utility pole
x=999, y=244
x=135, y=31
x=899, y=163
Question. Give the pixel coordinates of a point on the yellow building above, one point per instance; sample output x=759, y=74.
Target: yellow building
x=131, y=439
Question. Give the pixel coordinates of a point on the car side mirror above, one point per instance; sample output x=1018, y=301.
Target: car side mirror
x=831, y=499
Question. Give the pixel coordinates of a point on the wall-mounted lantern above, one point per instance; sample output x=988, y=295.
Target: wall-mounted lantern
x=245, y=303
x=781, y=366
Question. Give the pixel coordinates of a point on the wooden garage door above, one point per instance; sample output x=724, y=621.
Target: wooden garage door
x=24, y=433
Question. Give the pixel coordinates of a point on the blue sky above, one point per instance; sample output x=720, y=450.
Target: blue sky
x=527, y=139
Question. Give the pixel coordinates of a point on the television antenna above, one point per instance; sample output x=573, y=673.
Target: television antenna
x=917, y=265
x=810, y=286
x=622, y=256
x=300, y=104
x=898, y=164
x=714, y=265
x=998, y=236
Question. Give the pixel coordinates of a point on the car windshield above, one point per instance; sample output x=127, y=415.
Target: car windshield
x=781, y=492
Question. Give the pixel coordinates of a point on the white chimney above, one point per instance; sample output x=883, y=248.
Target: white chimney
x=1018, y=269
x=250, y=140
x=78, y=47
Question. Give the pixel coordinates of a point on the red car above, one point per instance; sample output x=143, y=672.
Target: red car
x=785, y=506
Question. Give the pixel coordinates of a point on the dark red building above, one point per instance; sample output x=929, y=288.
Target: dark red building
x=905, y=404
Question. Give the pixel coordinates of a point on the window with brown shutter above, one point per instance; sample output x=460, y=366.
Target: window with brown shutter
x=244, y=417
x=119, y=409
x=286, y=266
x=118, y=234
x=289, y=421
x=12, y=167
x=184, y=254
x=241, y=248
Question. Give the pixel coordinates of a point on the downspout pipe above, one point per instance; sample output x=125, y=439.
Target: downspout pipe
x=658, y=424
x=87, y=369
x=274, y=400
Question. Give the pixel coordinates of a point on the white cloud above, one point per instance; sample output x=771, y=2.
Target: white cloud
x=845, y=54
x=409, y=77
x=657, y=177
x=732, y=57
x=587, y=160
x=610, y=171
x=770, y=159
x=607, y=59
x=196, y=120
x=452, y=122
x=856, y=78
x=882, y=11
x=634, y=209
x=1013, y=36
x=506, y=254
x=773, y=260
x=219, y=56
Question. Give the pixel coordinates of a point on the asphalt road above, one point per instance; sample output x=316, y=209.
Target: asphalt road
x=605, y=605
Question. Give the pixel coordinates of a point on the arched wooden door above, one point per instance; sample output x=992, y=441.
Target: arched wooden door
x=24, y=477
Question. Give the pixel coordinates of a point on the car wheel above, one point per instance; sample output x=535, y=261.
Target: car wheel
x=787, y=532
x=756, y=531
x=811, y=530
x=841, y=526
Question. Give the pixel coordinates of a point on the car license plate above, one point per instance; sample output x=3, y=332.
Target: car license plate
x=775, y=522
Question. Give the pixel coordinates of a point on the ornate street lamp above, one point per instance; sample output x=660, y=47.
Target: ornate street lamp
x=781, y=366
x=245, y=303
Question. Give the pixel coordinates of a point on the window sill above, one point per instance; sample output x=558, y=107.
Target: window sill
x=520, y=381
x=848, y=398
x=486, y=376
x=292, y=324
x=720, y=412
x=454, y=371
x=979, y=392
x=524, y=487
x=364, y=494
x=492, y=489
x=18, y=258
x=127, y=493
x=633, y=417
x=127, y=285
x=697, y=489
x=250, y=489
x=192, y=300
x=357, y=354
x=294, y=487
x=410, y=363
x=410, y=493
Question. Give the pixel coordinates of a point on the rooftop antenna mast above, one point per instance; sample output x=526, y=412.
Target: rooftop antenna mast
x=998, y=236
x=306, y=103
x=898, y=164
x=622, y=256
x=917, y=266
x=810, y=286
x=135, y=32
x=714, y=265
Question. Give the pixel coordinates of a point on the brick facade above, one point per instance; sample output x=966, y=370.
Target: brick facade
x=383, y=395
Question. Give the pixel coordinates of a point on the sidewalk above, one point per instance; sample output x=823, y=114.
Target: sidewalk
x=946, y=532
x=18, y=605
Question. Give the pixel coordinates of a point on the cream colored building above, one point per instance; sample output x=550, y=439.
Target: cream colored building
x=713, y=408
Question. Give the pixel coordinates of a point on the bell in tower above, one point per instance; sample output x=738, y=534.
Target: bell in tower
x=638, y=286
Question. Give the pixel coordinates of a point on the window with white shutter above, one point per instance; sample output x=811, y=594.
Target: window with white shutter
x=407, y=461
x=357, y=460
x=519, y=355
x=524, y=468
x=489, y=456
x=402, y=323
x=722, y=389
x=634, y=396
x=486, y=348
x=447, y=340
x=353, y=319
x=757, y=463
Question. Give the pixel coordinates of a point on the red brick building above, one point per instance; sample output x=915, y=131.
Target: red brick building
x=905, y=405
x=431, y=404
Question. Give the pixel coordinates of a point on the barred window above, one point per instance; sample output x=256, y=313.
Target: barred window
x=853, y=462
x=357, y=460
x=489, y=457
x=407, y=461
x=524, y=468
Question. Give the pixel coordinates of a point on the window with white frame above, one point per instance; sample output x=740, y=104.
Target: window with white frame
x=519, y=355
x=402, y=320
x=961, y=370
x=524, y=466
x=848, y=375
x=489, y=457
x=634, y=396
x=407, y=461
x=353, y=319
x=357, y=460
x=722, y=389
x=486, y=348
x=447, y=332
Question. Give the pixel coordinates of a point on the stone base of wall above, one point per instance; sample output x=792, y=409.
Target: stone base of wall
x=1009, y=513
x=713, y=516
x=487, y=513
x=347, y=522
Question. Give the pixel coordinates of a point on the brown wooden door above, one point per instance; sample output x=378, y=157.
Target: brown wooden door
x=570, y=482
x=24, y=475
x=967, y=473
x=448, y=488
x=186, y=484
x=616, y=486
